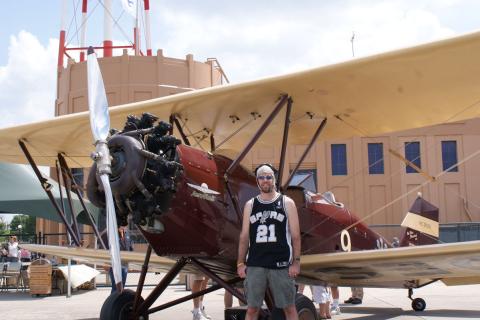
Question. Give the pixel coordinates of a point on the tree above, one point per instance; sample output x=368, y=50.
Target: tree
x=3, y=225
x=27, y=222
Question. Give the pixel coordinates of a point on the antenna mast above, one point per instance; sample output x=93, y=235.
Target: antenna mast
x=351, y=40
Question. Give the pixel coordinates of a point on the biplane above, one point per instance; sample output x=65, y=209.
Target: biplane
x=185, y=192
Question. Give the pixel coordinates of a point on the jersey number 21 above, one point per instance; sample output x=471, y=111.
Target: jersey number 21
x=265, y=234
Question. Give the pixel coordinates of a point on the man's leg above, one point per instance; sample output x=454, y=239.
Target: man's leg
x=252, y=313
x=357, y=294
x=284, y=291
x=255, y=285
x=335, y=309
x=124, y=276
x=201, y=305
x=196, y=285
x=227, y=299
x=290, y=312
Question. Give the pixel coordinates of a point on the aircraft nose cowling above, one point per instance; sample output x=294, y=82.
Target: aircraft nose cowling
x=145, y=168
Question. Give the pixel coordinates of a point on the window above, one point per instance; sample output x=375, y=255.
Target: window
x=449, y=155
x=339, y=159
x=375, y=158
x=412, y=154
x=306, y=178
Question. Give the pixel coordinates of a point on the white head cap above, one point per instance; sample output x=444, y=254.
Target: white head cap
x=265, y=170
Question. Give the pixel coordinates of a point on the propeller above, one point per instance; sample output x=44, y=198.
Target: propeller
x=100, y=124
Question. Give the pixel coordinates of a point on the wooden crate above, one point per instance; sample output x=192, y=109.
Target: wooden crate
x=40, y=277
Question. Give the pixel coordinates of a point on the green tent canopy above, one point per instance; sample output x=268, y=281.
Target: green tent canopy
x=21, y=192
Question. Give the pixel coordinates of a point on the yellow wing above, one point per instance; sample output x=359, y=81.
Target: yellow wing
x=409, y=88
x=453, y=263
x=101, y=257
x=409, y=267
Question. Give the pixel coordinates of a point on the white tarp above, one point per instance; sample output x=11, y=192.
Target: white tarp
x=79, y=274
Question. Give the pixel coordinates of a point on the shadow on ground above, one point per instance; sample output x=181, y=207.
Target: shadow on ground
x=389, y=313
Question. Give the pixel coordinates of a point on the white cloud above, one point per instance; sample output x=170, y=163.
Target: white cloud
x=27, y=82
x=252, y=40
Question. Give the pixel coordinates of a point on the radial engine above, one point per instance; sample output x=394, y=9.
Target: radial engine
x=145, y=171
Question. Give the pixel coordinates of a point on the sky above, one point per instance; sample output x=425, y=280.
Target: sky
x=251, y=39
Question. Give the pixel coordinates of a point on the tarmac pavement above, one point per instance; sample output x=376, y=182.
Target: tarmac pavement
x=460, y=302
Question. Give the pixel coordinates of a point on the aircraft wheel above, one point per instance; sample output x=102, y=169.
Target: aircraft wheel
x=305, y=308
x=118, y=306
x=418, y=304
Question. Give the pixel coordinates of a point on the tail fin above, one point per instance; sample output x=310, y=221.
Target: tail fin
x=421, y=224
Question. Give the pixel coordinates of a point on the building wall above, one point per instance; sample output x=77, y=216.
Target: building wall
x=384, y=198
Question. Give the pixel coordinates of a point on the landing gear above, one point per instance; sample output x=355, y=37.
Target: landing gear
x=418, y=304
x=119, y=306
x=305, y=308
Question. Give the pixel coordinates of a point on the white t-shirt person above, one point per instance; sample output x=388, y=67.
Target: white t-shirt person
x=12, y=249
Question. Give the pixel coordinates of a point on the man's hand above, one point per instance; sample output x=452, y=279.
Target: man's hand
x=294, y=269
x=242, y=270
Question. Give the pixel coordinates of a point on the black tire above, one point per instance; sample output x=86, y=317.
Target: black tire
x=118, y=306
x=418, y=304
x=305, y=309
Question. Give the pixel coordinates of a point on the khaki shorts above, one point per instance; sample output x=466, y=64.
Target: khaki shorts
x=280, y=283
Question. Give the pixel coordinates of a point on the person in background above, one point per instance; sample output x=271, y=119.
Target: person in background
x=126, y=244
x=357, y=296
x=25, y=255
x=12, y=255
x=321, y=295
x=3, y=253
x=335, y=307
x=198, y=283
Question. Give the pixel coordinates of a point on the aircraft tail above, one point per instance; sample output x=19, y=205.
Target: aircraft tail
x=421, y=224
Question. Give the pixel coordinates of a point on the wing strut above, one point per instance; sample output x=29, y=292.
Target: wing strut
x=310, y=145
x=256, y=136
x=47, y=188
x=144, y=307
x=283, y=99
x=173, y=119
x=74, y=188
x=286, y=128
x=61, y=175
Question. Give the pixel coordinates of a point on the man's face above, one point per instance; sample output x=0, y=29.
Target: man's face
x=266, y=182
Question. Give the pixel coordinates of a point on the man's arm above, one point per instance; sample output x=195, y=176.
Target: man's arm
x=294, y=227
x=243, y=240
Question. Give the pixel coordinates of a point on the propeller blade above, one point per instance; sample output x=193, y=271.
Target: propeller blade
x=112, y=231
x=97, y=99
x=100, y=123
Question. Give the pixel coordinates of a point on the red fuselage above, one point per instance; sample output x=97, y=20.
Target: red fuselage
x=209, y=226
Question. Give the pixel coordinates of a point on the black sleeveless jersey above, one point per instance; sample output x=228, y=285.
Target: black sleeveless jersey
x=270, y=240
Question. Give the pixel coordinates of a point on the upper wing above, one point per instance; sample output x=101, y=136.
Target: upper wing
x=453, y=263
x=420, y=86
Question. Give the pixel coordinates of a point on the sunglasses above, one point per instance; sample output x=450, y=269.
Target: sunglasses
x=265, y=177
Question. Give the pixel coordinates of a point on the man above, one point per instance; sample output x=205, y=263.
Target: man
x=271, y=234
